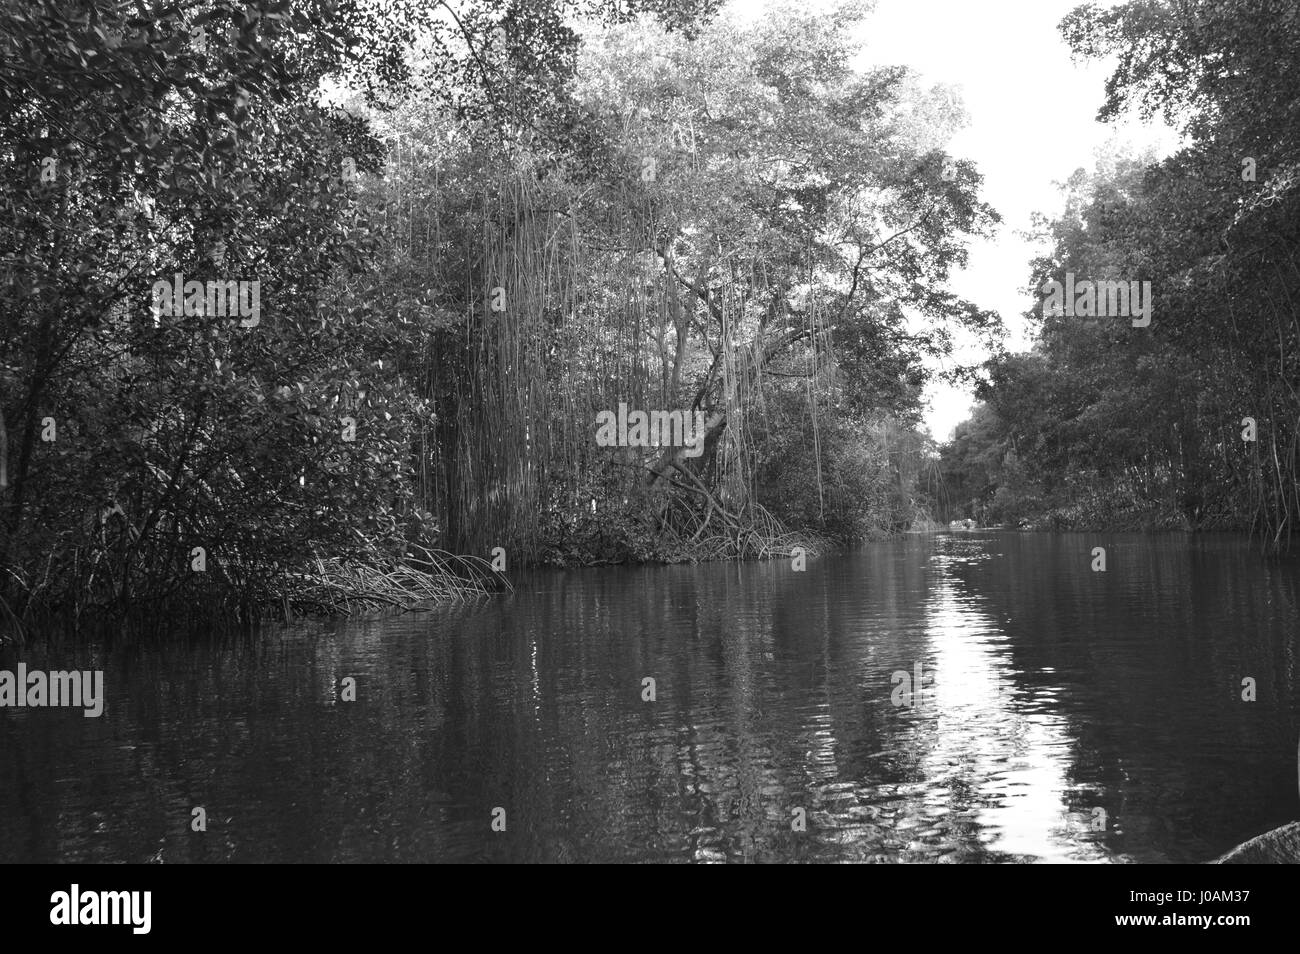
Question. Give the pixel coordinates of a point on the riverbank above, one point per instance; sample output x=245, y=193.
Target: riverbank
x=214, y=594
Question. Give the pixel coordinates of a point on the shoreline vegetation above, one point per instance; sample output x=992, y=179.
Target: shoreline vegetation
x=707, y=236
x=1188, y=418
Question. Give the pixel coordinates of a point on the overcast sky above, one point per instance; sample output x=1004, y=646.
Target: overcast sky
x=1031, y=124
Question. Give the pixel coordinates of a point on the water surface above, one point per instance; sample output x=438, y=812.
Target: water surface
x=1065, y=715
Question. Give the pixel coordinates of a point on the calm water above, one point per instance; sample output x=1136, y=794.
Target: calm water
x=1066, y=715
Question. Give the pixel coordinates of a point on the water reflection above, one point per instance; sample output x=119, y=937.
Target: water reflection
x=1065, y=715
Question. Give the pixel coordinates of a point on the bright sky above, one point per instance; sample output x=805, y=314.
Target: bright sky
x=1032, y=123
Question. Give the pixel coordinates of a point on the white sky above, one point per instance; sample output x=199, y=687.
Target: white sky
x=1031, y=124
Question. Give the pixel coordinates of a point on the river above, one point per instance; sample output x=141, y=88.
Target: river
x=1064, y=715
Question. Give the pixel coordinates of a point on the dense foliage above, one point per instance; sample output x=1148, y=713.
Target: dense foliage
x=472, y=228
x=1108, y=424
